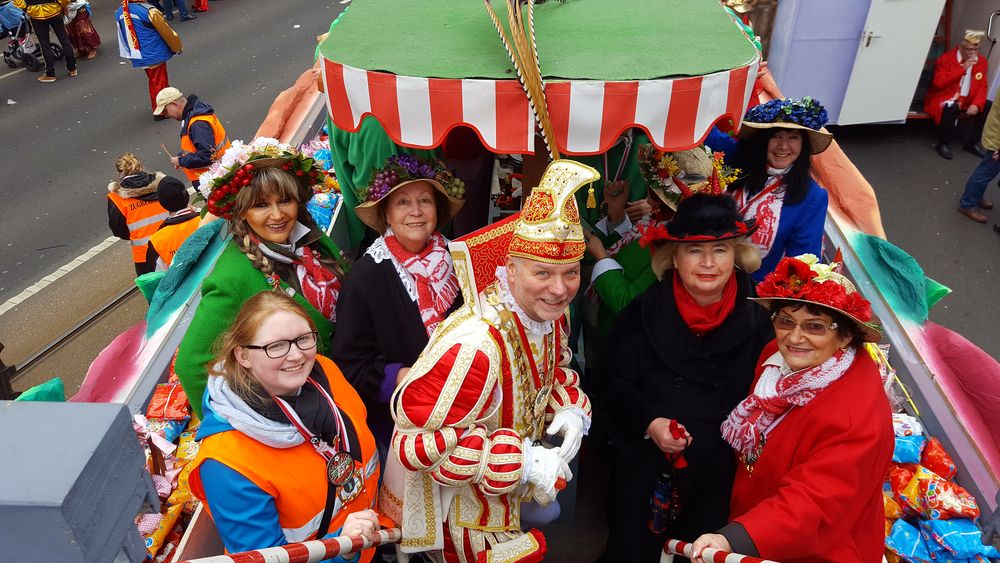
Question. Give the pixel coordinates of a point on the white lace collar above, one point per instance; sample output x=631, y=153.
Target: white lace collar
x=379, y=251
x=538, y=328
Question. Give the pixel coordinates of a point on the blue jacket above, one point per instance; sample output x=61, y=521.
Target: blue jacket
x=800, y=230
x=201, y=134
x=153, y=50
x=245, y=515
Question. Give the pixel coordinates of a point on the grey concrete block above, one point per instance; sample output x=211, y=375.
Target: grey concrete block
x=72, y=479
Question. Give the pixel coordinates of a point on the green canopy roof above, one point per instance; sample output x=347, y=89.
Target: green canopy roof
x=577, y=40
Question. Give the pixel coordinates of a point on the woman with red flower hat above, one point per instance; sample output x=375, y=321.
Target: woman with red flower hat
x=814, y=437
x=684, y=354
x=261, y=189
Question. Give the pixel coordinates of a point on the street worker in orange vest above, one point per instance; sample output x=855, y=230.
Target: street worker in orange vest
x=286, y=455
x=134, y=213
x=203, y=138
x=175, y=229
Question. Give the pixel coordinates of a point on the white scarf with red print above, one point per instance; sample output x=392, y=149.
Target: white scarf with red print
x=777, y=392
x=433, y=276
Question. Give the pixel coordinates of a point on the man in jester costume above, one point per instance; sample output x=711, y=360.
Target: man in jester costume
x=493, y=385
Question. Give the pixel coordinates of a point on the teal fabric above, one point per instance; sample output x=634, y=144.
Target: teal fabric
x=51, y=391
x=233, y=280
x=193, y=261
x=909, y=293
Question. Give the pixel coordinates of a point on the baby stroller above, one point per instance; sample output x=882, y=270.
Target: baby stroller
x=23, y=47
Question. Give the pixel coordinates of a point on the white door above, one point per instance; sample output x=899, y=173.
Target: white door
x=894, y=45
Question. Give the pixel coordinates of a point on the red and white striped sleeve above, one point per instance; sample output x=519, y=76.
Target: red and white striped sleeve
x=566, y=392
x=437, y=428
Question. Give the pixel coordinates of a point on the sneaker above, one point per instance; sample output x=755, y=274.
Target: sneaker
x=46, y=78
x=74, y=72
x=189, y=17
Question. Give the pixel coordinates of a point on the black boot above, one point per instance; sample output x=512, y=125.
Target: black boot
x=945, y=151
x=976, y=149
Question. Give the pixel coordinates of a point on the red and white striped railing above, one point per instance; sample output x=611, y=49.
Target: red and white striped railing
x=310, y=551
x=677, y=547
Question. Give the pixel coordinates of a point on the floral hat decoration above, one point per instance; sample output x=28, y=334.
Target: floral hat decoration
x=234, y=171
x=401, y=170
x=805, y=114
x=679, y=175
x=805, y=279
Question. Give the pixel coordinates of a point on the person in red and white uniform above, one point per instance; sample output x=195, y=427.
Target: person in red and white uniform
x=474, y=413
x=959, y=85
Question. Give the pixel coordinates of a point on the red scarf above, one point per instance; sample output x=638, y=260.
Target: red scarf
x=702, y=319
x=319, y=285
x=434, y=277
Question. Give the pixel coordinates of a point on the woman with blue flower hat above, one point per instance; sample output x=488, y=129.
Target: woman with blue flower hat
x=775, y=143
x=261, y=188
x=403, y=286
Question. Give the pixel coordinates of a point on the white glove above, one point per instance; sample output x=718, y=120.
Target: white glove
x=570, y=424
x=543, y=466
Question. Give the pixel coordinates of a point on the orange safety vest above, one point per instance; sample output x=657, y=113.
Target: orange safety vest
x=221, y=142
x=296, y=477
x=143, y=219
x=168, y=239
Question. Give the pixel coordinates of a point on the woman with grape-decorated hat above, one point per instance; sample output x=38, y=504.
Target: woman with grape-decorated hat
x=775, y=144
x=403, y=286
x=261, y=188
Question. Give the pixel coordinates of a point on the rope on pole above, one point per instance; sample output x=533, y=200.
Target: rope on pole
x=309, y=551
x=677, y=547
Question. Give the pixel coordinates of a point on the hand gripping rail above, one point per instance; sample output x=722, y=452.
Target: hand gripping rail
x=309, y=551
x=677, y=547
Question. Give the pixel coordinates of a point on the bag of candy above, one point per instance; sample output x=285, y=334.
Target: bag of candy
x=942, y=500
x=906, y=425
x=168, y=403
x=892, y=510
x=960, y=537
x=154, y=542
x=904, y=540
x=935, y=458
x=908, y=448
x=909, y=497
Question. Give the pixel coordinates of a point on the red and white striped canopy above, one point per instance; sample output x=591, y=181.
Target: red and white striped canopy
x=587, y=115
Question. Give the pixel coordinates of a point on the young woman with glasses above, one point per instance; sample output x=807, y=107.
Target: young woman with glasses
x=286, y=454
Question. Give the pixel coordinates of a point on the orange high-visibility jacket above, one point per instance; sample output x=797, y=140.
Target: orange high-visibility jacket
x=143, y=219
x=221, y=142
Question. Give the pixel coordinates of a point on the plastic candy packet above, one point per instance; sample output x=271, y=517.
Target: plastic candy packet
x=942, y=500
x=187, y=448
x=892, y=509
x=155, y=540
x=168, y=403
x=169, y=429
x=909, y=497
x=906, y=425
x=908, y=449
x=905, y=541
x=935, y=458
x=960, y=537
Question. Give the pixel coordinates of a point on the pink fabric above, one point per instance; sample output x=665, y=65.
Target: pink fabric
x=116, y=368
x=970, y=378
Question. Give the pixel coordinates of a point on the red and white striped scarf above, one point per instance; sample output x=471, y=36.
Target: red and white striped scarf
x=774, y=395
x=433, y=275
x=320, y=286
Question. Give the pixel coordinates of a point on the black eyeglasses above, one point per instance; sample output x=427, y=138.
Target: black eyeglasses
x=280, y=348
x=815, y=328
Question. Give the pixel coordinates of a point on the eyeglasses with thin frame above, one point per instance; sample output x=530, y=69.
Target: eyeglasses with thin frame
x=280, y=348
x=815, y=328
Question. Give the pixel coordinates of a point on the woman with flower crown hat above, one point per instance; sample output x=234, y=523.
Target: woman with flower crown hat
x=814, y=437
x=403, y=286
x=261, y=189
x=775, y=144
x=684, y=354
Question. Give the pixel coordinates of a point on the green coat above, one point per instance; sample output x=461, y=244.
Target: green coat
x=636, y=183
x=232, y=282
x=617, y=288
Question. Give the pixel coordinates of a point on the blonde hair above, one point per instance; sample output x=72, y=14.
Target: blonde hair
x=127, y=164
x=746, y=256
x=267, y=182
x=248, y=321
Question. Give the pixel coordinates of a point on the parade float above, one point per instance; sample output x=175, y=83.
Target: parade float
x=562, y=79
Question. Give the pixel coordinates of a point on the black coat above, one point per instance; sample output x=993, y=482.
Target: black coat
x=377, y=325
x=663, y=369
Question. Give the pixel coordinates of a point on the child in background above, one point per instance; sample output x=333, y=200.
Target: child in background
x=176, y=228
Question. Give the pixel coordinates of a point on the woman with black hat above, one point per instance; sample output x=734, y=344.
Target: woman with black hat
x=685, y=354
x=403, y=286
x=775, y=144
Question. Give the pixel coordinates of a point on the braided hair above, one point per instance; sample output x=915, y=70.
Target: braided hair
x=266, y=183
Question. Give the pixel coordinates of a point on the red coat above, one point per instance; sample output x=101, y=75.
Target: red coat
x=816, y=491
x=946, y=84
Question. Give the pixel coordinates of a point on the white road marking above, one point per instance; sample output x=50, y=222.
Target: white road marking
x=12, y=73
x=47, y=280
